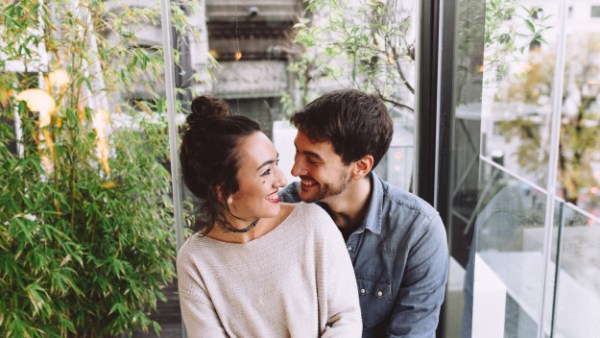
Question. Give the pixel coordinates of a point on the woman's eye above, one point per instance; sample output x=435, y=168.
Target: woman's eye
x=267, y=172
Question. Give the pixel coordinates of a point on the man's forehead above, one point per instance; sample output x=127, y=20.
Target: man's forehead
x=303, y=140
x=318, y=149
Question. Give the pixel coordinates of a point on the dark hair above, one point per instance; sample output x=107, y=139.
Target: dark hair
x=209, y=156
x=356, y=124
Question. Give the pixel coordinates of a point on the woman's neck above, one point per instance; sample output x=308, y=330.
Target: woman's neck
x=263, y=226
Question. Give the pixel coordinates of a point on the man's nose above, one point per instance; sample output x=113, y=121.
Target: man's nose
x=298, y=169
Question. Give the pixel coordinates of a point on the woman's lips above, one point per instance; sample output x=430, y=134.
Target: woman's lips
x=273, y=197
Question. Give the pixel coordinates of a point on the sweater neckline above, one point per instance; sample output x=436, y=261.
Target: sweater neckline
x=264, y=238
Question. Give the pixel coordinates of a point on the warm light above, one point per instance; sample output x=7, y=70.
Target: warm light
x=390, y=57
x=398, y=155
x=481, y=68
x=118, y=109
x=238, y=56
x=594, y=190
x=4, y=95
x=597, y=175
x=49, y=142
x=59, y=78
x=213, y=53
x=109, y=185
x=39, y=101
x=101, y=122
x=47, y=164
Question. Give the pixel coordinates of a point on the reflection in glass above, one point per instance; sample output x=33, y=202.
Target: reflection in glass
x=509, y=113
x=576, y=248
x=579, y=152
x=507, y=265
x=517, y=98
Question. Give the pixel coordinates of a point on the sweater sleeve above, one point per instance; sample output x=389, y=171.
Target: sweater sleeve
x=199, y=317
x=343, y=307
x=197, y=310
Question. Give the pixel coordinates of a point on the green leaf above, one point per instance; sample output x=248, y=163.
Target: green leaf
x=34, y=293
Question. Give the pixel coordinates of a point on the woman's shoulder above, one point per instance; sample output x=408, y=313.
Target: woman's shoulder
x=190, y=248
x=312, y=218
x=302, y=209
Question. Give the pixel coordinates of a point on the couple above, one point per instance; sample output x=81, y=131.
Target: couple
x=261, y=268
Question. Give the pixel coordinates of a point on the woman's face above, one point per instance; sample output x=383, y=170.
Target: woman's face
x=259, y=180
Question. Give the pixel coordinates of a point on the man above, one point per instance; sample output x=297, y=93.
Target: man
x=396, y=241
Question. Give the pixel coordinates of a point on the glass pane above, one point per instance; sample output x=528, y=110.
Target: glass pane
x=519, y=70
x=576, y=246
x=510, y=119
x=579, y=159
x=351, y=44
x=267, y=69
x=508, y=261
x=469, y=21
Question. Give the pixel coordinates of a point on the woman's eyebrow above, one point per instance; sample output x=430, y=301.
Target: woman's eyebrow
x=267, y=163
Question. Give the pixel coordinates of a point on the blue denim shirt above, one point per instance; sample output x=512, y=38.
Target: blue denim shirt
x=400, y=258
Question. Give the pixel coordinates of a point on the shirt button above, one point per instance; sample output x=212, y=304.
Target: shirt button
x=363, y=291
x=379, y=293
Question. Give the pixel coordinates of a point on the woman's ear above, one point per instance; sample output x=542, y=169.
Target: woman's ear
x=362, y=167
x=220, y=195
x=218, y=190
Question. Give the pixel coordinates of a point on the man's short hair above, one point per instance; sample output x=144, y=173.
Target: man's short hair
x=356, y=124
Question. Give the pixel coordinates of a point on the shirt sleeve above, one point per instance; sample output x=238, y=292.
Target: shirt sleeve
x=342, y=304
x=417, y=308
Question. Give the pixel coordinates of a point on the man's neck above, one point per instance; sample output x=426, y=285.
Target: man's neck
x=349, y=208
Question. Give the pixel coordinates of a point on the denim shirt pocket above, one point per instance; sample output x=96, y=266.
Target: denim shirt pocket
x=375, y=301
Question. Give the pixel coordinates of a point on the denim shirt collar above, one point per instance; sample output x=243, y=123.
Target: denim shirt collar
x=372, y=220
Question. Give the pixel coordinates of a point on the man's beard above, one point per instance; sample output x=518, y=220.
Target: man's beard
x=329, y=189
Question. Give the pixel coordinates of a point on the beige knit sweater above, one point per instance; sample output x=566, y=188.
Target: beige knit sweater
x=295, y=281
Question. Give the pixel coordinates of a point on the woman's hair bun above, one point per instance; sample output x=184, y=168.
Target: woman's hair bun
x=205, y=108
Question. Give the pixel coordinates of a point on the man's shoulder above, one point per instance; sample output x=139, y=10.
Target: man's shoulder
x=398, y=198
x=289, y=194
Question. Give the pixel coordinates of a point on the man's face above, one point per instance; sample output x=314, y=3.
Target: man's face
x=322, y=172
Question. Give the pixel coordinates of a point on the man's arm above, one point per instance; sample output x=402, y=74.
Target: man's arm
x=417, y=309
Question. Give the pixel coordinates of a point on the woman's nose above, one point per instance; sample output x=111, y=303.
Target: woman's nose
x=281, y=180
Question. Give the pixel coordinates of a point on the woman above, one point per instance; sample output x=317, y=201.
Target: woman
x=256, y=267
